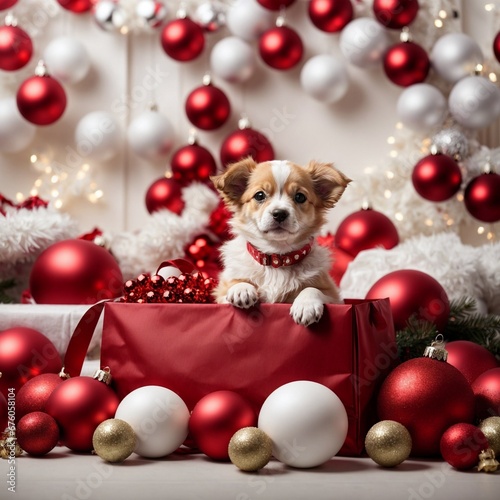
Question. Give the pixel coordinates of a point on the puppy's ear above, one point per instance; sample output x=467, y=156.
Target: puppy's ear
x=233, y=182
x=329, y=183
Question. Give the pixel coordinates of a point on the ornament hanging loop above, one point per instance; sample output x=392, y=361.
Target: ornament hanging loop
x=436, y=350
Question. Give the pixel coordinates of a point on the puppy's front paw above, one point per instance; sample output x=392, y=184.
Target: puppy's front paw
x=306, y=311
x=242, y=295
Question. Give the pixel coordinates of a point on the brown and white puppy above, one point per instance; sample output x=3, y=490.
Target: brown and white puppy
x=278, y=208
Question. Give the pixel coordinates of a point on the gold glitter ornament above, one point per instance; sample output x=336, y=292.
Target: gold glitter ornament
x=388, y=443
x=114, y=440
x=250, y=449
x=491, y=429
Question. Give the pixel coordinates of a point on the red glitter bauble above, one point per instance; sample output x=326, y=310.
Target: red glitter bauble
x=192, y=163
x=461, y=445
x=395, y=14
x=330, y=15
x=281, y=48
x=427, y=396
x=365, y=229
x=275, y=4
x=487, y=394
x=406, y=63
x=207, y=107
x=243, y=143
x=16, y=48
x=165, y=193
x=183, y=39
x=482, y=197
x=215, y=419
x=77, y=6
x=37, y=433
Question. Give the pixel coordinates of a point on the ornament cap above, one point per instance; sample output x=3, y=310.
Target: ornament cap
x=63, y=374
x=41, y=69
x=153, y=106
x=280, y=21
x=181, y=11
x=366, y=205
x=487, y=169
x=193, y=136
x=487, y=461
x=405, y=35
x=207, y=79
x=10, y=19
x=244, y=122
x=103, y=375
x=436, y=350
x=434, y=150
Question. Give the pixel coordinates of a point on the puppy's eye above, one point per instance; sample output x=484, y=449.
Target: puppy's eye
x=300, y=198
x=259, y=196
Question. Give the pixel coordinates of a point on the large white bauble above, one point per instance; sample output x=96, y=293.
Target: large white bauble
x=233, y=59
x=98, y=136
x=15, y=132
x=421, y=106
x=474, y=102
x=159, y=418
x=363, y=42
x=248, y=19
x=455, y=56
x=325, y=78
x=67, y=59
x=306, y=421
x=150, y=135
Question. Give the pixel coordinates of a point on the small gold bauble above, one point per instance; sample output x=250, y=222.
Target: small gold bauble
x=388, y=443
x=491, y=429
x=114, y=440
x=250, y=449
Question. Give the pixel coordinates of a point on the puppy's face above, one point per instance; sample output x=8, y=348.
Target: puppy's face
x=279, y=201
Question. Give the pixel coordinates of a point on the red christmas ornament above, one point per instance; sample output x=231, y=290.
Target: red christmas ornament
x=16, y=48
x=482, y=197
x=75, y=272
x=183, y=39
x=275, y=4
x=7, y=4
x=436, y=177
x=411, y=293
x=214, y=420
x=340, y=258
x=34, y=394
x=37, y=433
x=3, y=413
x=79, y=405
x=330, y=15
x=461, y=445
x=395, y=14
x=165, y=193
x=470, y=358
x=192, y=163
x=24, y=354
x=281, y=48
x=203, y=252
x=246, y=142
x=219, y=219
x=487, y=394
x=406, y=63
x=427, y=396
x=207, y=107
x=77, y=6
x=365, y=229
x=496, y=46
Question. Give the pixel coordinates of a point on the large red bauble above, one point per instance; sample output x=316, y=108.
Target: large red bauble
x=77, y=6
x=41, y=100
x=470, y=358
x=395, y=14
x=165, y=193
x=436, y=177
x=487, y=393
x=79, y=405
x=243, y=143
x=330, y=15
x=34, y=394
x=15, y=48
x=214, y=420
x=366, y=229
x=75, y=272
x=281, y=48
x=3, y=412
x=411, y=293
x=496, y=46
x=207, y=107
x=24, y=354
x=482, y=197
x=461, y=445
x=182, y=39
x=275, y=4
x=7, y=4
x=406, y=63
x=37, y=433
x=427, y=396
x=192, y=163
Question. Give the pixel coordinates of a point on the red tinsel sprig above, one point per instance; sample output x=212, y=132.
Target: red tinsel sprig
x=29, y=203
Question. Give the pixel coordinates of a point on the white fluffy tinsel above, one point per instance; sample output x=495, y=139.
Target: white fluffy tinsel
x=462, y=270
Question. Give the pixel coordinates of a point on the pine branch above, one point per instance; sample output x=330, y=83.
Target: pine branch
x=5, y=285
x=413, y=340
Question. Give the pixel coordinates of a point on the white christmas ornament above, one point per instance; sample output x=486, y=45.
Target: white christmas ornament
x=150, y=14
x=421, y=106
x=110, y=16
x=150, y=135
x=15, y=132
x=455, y=56
x=325, y=78
x=306, y=421
x=159, y=418
x=210, y=16
x=474, y=102
x=98, y=136
x=363, y=42
x=233, y=59
x=248, y=19
x=67, y=59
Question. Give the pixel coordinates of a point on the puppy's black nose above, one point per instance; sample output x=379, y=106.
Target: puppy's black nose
x=279, y=215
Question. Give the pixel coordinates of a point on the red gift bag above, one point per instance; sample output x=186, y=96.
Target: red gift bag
x=195, y=349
